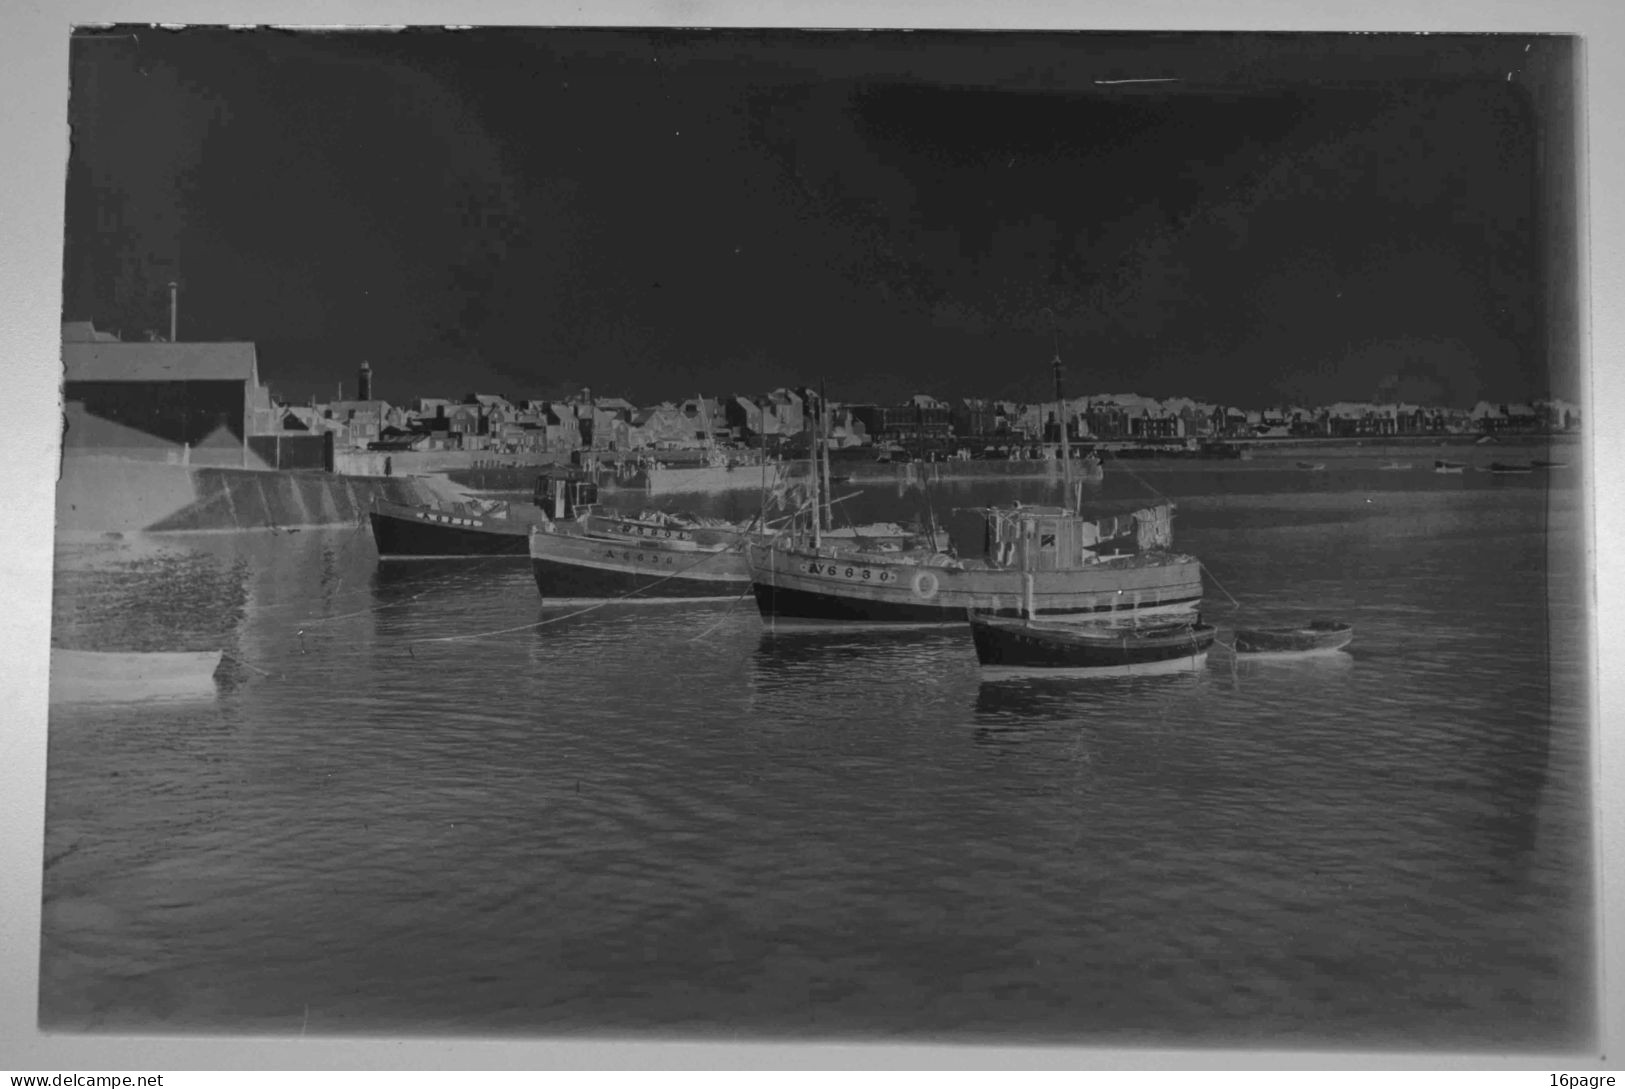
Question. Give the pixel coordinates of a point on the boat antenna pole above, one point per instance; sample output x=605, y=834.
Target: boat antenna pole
x=829, y=483
x=812, y=449
x=1060, y=413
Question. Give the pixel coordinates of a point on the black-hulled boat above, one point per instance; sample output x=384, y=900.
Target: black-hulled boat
x=1029, y=644
x=1505, y=468
x=435, y=533
x=1318, y=635
x=476, y=529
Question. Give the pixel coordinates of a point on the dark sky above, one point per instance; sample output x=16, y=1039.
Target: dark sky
x=660, y=213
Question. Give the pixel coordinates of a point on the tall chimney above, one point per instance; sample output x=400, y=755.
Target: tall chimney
x=174, y=308
x=365, y=381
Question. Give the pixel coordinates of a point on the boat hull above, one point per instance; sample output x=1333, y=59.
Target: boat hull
x=422, y=533
x=575, y=566
x=831, y=586
x=1024, y=645
x=712, y=478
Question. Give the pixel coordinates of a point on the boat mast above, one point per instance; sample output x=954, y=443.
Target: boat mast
x=828, y=514
x=705, y=422
x=812, y=455
x=1060, y=415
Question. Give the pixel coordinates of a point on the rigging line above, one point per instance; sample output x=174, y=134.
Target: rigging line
x=725, y=615
x=1219, y=584
x=1118, y=462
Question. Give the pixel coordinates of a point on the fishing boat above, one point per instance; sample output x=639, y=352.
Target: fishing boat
x=1312, y=466
x=719, y=474
x=1442, y=466
x=570, y=563
x=404, y=532
x=475, y=529
x=1318, y=635
x=1394, y=466
x=1024, y=644
x=1503, y=468
x=1041, y=561
x=83, y=676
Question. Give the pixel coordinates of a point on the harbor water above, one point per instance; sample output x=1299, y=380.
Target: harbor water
x=427, y=802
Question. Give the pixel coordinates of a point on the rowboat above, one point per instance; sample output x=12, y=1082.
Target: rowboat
x=1318, y=635
x=1024, y=644
x=83, y=676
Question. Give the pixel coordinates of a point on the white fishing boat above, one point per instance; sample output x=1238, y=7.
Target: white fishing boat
x=1042, y=561
x=84, y=676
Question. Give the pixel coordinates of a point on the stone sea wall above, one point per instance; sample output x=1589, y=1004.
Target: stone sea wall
x=106, y=495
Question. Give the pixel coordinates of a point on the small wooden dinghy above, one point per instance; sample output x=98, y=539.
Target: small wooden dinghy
x=1022, y=643
x=85, y=676
x=1317, y=635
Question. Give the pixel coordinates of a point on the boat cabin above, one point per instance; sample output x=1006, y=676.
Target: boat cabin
x=564, y=494
x=1055, y=539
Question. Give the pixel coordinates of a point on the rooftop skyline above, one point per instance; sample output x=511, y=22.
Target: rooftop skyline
x=1306, y=218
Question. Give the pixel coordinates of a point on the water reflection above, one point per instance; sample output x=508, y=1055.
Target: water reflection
x=1075, y=695
x=789, y=651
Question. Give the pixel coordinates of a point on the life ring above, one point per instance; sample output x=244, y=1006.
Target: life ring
x=925, y=585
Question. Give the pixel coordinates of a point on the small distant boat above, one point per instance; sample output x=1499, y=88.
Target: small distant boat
x=1025, y=643
x=1484, y=441
x=1315, y=636
x=1442, y=466
x=1312, y=466
x=1394, y=466
x=1503, y=467
x=84, y=676
x=1537, y=464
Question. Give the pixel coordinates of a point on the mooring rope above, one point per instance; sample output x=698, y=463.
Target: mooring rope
x=725, y=615
x=1219, y=584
